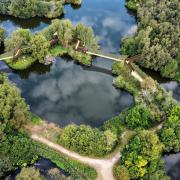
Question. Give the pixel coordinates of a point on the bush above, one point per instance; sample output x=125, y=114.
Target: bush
x=169, y=70
x=39, y=47
x=13, y=108
x=115, y=124
x=170, y=133
x=138, y=117
x=77, y=170
x=29, y=173
x=87, y=141
x=121, y=173
x=143, y=151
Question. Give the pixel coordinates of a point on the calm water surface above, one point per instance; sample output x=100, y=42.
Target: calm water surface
x=172, y=166
x=65, y=92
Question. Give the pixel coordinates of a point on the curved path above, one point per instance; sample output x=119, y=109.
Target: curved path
x=104, y=167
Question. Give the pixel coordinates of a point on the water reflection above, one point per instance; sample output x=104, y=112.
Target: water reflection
x=173, y=87
x=11, y=24
x=70, y=94
x=172, y=166
x=109, y=19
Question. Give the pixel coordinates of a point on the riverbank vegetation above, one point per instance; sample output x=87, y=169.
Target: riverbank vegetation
x=148, y=94
x=32, y=8
x=2, y=35
x=157, y=38
x=56, y=40
x=88, y=141
x=17, y=149
x=170, y=132
x=132, y=4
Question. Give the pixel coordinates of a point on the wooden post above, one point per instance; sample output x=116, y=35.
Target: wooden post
x=77, y=45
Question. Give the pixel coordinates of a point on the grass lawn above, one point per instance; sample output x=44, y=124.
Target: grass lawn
x=57, y=51
x=22, y=63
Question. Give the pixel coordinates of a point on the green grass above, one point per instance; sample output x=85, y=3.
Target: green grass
x=22, y=63
x=76, y=169
x=36, y=120
x=57, y=51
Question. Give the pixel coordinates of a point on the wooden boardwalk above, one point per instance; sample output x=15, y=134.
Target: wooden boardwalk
x=107, y=56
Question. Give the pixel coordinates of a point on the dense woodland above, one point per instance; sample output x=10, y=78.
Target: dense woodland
x=16, y=148
x=158, y=36
x=32, y=8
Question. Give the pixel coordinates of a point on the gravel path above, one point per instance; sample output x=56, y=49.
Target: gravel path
x=104, y=167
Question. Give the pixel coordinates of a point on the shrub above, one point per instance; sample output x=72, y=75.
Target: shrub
x=170, y=133
x=87, y=141
x=138, y=117
x=142, y=150
x=121, y=173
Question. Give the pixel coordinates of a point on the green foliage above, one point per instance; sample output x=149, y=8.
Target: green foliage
x=169, y=70
x=18, y=39
x=170, y=133
x=76, y=169
x=115, y=124
x=22, y=63
x=31, y=8
x=129, y=46
x=2, y=35
x=121, y=173
x=16, y=149
x=87, y=141
x=125, y=80
x=57, y=51
x=13, y=108
x=29, y=173
x=158, y=34
x=138, y=117
x=141, y=155
x=81, y=58
x=86, y=36
x=23, y=9
x=132, y=4
x=39, y=47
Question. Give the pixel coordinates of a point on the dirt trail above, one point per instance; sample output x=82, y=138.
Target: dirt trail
x=104, y=167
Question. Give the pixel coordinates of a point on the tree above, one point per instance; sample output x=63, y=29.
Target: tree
x=29, y=173
x=86, y=36
x=121, y=173
x=170, y=133
x=87, y=141
x=138, y=117
x=39, y=47
x=65, y=30
x=23, y=9
x=157, y=38
x=13, y=108
x=18, y=39
x=143, y=149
